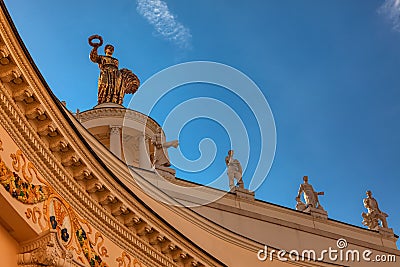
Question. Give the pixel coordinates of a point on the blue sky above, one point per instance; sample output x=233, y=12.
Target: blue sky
x=328, y=69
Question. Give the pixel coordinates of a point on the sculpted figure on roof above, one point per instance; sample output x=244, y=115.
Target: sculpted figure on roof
x=113, y=83
x=234, y=170
x=374, y=214
x=161, y=153
x=310, y=196
x=160, y=157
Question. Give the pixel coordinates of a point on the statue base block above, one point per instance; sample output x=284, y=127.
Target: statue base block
x=109, y=105
x=317, y=213
x=243, y=193
x=386, y=232
x=165, y=172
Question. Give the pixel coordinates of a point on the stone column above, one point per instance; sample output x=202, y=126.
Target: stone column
x=144, y=158
x=115, y=140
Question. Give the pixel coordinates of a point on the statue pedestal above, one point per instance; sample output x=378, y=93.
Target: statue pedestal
x=317, y=213
x=165, y=172
x=386, y=232
x=109, y=105
x=243, y=193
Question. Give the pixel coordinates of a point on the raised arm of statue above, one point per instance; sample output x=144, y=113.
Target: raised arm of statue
x=227, y=159
x=173, y=143
x=94, y=56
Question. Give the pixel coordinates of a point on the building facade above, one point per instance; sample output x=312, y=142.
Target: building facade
x=68, y=198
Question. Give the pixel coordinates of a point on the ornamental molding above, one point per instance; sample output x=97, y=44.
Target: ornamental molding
x=115, y=130
x=122, y=113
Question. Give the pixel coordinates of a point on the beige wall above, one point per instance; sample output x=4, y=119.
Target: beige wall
x=8, y=248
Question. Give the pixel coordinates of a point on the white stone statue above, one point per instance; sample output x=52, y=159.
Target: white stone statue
x=160, y=159
x=374, y=214
x=234, y=170
x=310, y=196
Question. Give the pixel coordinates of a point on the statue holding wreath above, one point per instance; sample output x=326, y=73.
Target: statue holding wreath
x=113, y=83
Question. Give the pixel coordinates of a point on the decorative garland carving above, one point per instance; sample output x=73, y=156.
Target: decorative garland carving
x=75, y=232
x=100, y=248
x=26, y=166
x=125, y=261
x=31, y=213
x=90, y=254
x=23, y=191
x=59, y=216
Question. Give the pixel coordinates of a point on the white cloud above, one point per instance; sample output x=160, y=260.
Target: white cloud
x=391, y=9
x=156, y=12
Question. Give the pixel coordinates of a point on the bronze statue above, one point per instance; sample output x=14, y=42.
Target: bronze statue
x=113, y=83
